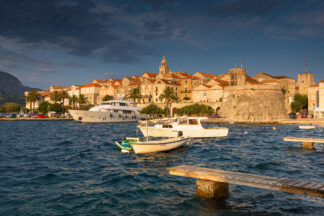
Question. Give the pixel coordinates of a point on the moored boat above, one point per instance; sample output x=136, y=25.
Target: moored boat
x=307, y=127
x=188, y=126
x=143, y=145
x=109, y=111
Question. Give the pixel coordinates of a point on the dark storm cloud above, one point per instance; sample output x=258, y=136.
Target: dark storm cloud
x=245, y=7
x=72, y=26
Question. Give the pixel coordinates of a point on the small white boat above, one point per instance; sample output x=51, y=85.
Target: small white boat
x=184, y=126
x=149, y=146
x=307, y=127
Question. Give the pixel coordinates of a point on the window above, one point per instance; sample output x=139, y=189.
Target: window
x=205, y=94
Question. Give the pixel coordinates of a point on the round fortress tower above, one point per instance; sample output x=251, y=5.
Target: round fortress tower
x=237, y=76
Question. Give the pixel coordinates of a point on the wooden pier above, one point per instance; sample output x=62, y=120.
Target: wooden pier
x=307, y=143
x=214, y=182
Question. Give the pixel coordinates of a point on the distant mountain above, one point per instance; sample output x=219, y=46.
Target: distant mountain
x=11, y=89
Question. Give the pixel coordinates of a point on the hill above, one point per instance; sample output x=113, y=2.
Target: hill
x=11, y=89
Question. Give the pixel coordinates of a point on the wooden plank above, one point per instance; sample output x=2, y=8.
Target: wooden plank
x=252, y=180
x=300, y=139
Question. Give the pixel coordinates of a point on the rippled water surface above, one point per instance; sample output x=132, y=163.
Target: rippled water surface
x=66, y=168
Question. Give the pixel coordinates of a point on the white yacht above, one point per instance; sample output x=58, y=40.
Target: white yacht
x=109, y=111
x=184, y=126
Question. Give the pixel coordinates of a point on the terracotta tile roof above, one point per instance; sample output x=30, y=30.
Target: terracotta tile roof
x=175, y=76
x=208, y=86
x=322, y=81
x=269, y=81
x=150, y=74
x=251, y=80
x=91, y=85
x=276, y=77
x=223, y=82
x=115, y=86
x=177, y=83
x=208, y=75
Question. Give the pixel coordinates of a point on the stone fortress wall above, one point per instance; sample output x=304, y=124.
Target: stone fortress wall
x=253, y=103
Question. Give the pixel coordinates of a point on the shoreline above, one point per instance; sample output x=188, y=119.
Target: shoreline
x=282, y=122
x=35, y=119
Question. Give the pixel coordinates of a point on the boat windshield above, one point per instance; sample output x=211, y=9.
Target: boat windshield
x=193, y=121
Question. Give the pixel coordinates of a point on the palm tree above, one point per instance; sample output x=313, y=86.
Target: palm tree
x=64, y=95
x=134, y=94
x=74, y=100
x=82, y=99
x=169, y=96
x=33, y=97
x=55, y=96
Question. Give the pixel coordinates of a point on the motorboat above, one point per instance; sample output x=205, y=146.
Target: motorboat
x=143, y=145
x=307, y=127
x=109, y=111
x=184, y=126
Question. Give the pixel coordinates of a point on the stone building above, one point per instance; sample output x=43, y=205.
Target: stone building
x=313, y=98
x=319, y=110
x=305, y=80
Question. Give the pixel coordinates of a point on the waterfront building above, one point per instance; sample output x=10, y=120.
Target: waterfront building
x=319, y=110
x=91, y=92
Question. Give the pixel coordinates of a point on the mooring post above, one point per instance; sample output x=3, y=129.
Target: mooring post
x=308, y=145
x=211, y=189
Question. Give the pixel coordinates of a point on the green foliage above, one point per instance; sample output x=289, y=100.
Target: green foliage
x=82, y=100
x=32, y=97
x=55, y=97
x=10, y=108
x=56, y=108
x=86, y=107
x=169, y=96
x=152, y=109
x=107, y=98
x=74, y=100
x=300, y=102
x=134, y=94
x=283, y=91
x=24, y=110
x=43, y=107
x=195, y=109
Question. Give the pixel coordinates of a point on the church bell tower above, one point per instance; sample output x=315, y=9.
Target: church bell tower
x=164, y=69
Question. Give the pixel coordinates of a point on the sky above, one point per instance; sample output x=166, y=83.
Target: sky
x=66, y=42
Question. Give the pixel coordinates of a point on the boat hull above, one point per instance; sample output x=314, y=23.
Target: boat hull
x=94, y=116
x=158, y=146
x=187, y=132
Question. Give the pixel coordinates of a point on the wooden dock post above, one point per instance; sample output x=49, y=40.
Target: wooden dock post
x=211, y=189
x=307, y=143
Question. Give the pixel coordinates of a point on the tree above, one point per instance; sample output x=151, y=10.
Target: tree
x=55, y=97
x=152, y=109
x=56, y=107
x=32, y=97
x=196, y=109
x=43, y=107
x=10, y=108
x=300, y=102
x=64, y=95
x=134, y=94
x=169, y=96
x=107, y=98
x=74, y=100
x=82, y=99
